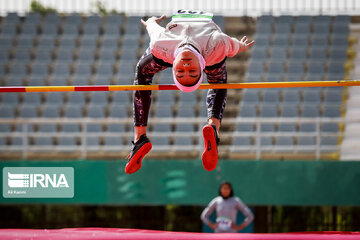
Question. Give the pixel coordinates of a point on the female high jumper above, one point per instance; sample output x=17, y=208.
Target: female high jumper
x=191, y=44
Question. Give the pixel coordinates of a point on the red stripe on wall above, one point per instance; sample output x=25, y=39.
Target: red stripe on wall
x=136, y=234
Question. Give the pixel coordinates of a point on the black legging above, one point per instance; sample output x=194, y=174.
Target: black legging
x=149, y=65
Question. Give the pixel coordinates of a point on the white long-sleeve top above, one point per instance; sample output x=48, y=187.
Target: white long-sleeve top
x=207, y=37
x=226, y=212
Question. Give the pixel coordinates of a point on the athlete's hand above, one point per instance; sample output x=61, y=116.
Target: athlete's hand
x=213, y=226
x=157, y=20
x=237, y=227
x=244, y=44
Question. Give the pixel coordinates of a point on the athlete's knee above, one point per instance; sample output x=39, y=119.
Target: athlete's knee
x=218, y=77
x=141, y=79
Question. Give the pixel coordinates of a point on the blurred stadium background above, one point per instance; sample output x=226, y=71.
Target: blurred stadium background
x=292, y=154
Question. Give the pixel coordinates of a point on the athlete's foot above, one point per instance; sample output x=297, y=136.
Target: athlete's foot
x=139, y=150
x=210, y=154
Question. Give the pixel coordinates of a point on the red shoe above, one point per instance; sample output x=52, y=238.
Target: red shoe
x=140, y=149
x=210, y=154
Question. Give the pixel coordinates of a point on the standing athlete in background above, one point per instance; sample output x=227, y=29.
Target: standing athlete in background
x=226, y=207
x=191, y=43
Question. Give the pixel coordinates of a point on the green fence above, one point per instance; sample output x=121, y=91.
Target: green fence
x=185, y=182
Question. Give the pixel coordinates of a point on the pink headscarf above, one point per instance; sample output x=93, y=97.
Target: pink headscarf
x=202, y=66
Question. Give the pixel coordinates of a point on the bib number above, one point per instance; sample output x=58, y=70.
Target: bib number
x=192, y=15
x=181, y=11
x=224, y=223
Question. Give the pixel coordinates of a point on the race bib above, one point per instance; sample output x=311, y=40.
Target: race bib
x=191, y=16
x=224, y=223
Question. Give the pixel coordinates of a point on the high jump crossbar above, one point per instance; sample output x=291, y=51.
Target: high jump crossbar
x=86, y=88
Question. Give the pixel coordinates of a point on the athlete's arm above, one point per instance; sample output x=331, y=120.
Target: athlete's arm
x=249, y=216
x=233, y=46
x=152, y=26
x=206, y=214
x=156, y=19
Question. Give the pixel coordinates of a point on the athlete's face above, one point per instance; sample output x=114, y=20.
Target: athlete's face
x=225, y=190
x=187, y=68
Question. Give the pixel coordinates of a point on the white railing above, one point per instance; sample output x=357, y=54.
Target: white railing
x=220, y=7
x=26, y=148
